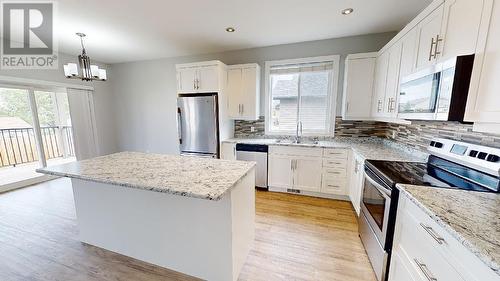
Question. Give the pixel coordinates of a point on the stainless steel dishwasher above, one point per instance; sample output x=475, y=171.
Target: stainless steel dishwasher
x=256, y=153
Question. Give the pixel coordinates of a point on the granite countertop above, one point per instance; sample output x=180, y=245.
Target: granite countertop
x=473, y=218
x=368, y=148
x=181, y=175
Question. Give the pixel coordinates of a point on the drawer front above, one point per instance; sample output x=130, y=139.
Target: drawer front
x=335, y=172
x=296, y=151
x=335, y=163
x=336, y=153
x=413, y=239
x=334, y=185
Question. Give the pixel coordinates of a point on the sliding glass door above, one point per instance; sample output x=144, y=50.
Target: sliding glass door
x=35, y=131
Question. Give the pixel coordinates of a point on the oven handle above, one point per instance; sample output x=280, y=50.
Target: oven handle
x=381, y=188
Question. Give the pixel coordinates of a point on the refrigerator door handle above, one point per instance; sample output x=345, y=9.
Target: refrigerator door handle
x=179, y=124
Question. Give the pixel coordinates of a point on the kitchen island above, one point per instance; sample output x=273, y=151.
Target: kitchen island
x=192, y=215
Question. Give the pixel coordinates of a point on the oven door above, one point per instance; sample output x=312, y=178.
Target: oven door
x=375, y=205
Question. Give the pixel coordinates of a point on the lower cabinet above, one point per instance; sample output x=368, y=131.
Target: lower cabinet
x=228, y=151
x=356, y=181
x=423, y=250
x=309, y=169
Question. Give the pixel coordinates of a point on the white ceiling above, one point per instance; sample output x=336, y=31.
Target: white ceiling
x=125, y=30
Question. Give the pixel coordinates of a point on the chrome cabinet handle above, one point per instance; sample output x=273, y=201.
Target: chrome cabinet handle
x=432, y=233
x=242, y=108
x=432, y=46
x=425, y=270
x=179, y=124
x=436, y=52
x=379, y=106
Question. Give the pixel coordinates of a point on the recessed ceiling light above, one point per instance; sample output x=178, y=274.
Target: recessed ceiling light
x=347, y=11
x=230, y=29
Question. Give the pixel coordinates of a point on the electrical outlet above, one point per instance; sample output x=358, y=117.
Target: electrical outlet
x=252, y=129
x=393, y=134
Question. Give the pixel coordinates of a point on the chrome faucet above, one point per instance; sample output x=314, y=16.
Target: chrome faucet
x=298, y=137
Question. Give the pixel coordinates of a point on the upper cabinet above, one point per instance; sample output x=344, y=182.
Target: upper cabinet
x=483, y=103
x=202, y=77
x=358, y=86
x=429, y=38
x=381, y=67
x=243, y=90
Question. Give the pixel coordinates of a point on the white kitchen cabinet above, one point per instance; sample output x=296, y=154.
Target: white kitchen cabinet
x=460, y=26
x=358, y=86
x=429, y=36
x=306, y=173
x=483, y=103
x=243, y=88
x=424, y=250
x=408, y=53
x=200, y=77
x=280, y=171
x=381, y=68
x=356, y=181
x=228, y=151
x=392, y=84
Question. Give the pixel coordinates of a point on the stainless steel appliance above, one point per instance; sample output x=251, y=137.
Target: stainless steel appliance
x=437, y=93
x=256, y=153
x=197, y=124
x=451, y=164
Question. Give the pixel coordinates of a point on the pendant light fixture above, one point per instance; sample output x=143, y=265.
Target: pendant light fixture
x=89, y=72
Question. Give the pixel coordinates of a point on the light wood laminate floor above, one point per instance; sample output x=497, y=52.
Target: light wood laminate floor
x=297, y=238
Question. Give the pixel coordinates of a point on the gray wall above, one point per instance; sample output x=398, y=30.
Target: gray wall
x=103, y=98
x=146, y=91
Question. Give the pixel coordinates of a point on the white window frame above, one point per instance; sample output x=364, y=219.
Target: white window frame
x=334, y=80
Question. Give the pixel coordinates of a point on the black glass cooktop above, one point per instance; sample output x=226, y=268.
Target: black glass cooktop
x=436, y=172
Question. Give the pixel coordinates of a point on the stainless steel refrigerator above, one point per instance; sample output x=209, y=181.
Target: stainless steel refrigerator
x=197, y=117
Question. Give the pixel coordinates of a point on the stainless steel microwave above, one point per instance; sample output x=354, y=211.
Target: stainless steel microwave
x=438, y=92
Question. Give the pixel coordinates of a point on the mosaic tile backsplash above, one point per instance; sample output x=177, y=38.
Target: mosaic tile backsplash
x=418, y=134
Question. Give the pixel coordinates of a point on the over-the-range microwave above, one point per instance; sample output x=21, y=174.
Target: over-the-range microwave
x=438, y=92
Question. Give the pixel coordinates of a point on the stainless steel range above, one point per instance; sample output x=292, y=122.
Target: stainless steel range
x=451, y=164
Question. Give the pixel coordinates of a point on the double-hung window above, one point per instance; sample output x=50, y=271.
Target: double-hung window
x=301, y=93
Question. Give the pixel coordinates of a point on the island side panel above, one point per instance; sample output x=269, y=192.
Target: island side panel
x=185, y=234
x=243, y=220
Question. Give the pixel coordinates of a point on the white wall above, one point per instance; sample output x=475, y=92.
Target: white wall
x=146, y=91
x=103, y=98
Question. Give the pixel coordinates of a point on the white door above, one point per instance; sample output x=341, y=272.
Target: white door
x=208, y=79
x=358, y=88
x=428, y=30
x=392, y=87
x=483, y=103
x=228, y=151
x=460, y=28
x=307, y=173
x=233, y=90
x=399, y=270
x=249, y=93
x=356, y=182
x=186, y=80
x=280, y=171
x=381, y=68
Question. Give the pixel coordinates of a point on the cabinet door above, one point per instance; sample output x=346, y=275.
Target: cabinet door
x=228, y=151
x=208, y=79
x=382, y=65
x=249, y=93
x=483, y=103
x=428, y=29
x=408, y=53
x=280, y=171
x=356, y=183
x=460, y=28
x=307, y=173
x=392, y=87
x=358, y=88
x=186, y=80
x=400, y=270
x=234, y=86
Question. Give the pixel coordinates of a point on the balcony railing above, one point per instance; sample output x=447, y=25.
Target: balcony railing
x=18, y=146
